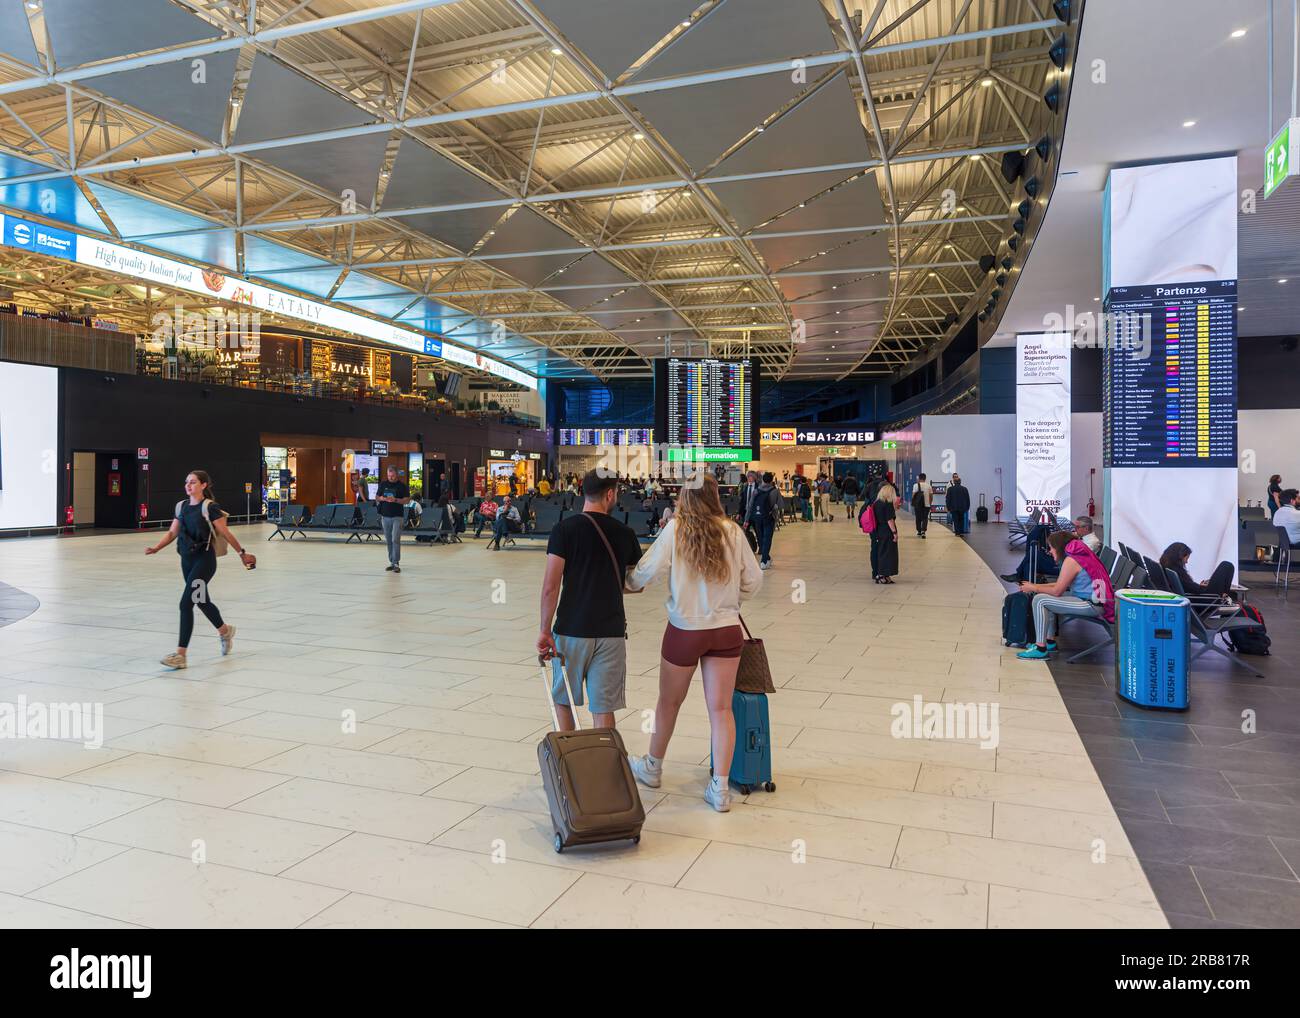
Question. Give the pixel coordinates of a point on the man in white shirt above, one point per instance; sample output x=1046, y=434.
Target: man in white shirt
x=1288, y=515
x=1083, y=530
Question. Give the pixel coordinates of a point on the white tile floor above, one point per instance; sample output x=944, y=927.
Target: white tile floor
x=366, y=757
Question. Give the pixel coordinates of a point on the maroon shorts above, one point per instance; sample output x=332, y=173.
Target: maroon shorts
x=685, y=647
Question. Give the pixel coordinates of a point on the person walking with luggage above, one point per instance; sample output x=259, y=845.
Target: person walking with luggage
x=710, y=571
x=391, y=497
x=805, y=499
x=957, y=499
x=201, y=532
x=884, y=536
x=763, y=508
x=851, y=489
x=583, y=619
x=922, y=500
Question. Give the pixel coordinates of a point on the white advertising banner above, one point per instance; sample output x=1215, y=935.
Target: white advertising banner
x=29, y=438
x=1043, y=424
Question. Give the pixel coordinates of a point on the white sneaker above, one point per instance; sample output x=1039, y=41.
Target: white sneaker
x=651, y=777
x=718, y=797
x=227, y=641
x=175, y=661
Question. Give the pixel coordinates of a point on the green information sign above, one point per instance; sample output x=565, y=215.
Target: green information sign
x=700, y=454
x=832, y=451
x=889, y=445
x=1281, y=158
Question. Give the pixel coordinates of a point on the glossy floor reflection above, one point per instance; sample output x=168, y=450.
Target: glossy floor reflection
x=366, y=757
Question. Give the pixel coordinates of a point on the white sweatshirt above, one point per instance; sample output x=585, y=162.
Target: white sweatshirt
x=693, y=602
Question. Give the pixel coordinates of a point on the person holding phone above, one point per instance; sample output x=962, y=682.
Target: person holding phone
x=200, y=529
x=391, y=497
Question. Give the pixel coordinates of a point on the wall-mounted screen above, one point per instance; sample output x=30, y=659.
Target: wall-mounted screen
x=708, y=406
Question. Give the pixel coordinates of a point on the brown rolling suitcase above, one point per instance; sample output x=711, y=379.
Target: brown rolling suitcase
x=589, y=785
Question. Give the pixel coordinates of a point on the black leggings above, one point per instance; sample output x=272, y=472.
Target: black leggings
x=198, y=571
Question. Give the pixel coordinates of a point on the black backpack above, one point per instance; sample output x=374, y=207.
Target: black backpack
x=1249, y=639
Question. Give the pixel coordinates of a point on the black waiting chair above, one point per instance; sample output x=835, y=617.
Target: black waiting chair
x=369, y=526
x=1210, y=615
x=639, y=520
x=291, y=520
x=1108, y=558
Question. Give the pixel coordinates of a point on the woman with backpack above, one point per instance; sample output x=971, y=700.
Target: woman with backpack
x=710, y=571
x=202, y=534
x=880, y=520
x=1082, y=587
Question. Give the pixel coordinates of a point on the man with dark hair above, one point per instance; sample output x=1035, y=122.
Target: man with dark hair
x=582, y=616
x=392, y=496
x=851, y=489
x=506, y=521
x=922, y=500
x=761, y=514
x=957, y=499
x=1288, y=515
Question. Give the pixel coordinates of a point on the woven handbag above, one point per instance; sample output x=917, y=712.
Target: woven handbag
x=754, y=675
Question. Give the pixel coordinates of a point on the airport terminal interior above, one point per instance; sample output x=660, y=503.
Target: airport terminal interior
x=957, y=340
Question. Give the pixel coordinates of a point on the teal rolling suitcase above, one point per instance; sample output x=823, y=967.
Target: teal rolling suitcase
x=751, y=763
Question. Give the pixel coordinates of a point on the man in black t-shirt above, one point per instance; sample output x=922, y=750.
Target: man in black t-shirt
x=591, y=553
x=391, y=497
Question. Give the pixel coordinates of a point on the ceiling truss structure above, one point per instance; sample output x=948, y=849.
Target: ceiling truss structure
x=564, y=169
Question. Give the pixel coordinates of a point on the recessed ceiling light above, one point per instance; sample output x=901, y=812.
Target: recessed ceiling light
x=934, y=273
x=33, y=5
x=986, y=82
x=760, y=129
x=1096, y=298
x=556, y=51
x=1240, y=308
x=1238, y=33
x=235, y=102
x=1189, y=123
x=1281, y=280
x=801, y=204
x=686, y=23
x=976, y=157
x=638, y=136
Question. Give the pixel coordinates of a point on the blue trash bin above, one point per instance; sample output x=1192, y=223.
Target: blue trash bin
x=1152, y=648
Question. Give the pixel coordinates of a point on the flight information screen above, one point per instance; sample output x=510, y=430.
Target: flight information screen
x=707, y=405
x=1169, y=376
x=606, y=436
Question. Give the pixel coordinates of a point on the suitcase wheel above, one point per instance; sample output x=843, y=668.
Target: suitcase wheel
x=636, y=839
x=559, y=843
x=770, y=787
x=746, y=789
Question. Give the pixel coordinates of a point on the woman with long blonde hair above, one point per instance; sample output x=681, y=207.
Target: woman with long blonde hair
x=711, y=569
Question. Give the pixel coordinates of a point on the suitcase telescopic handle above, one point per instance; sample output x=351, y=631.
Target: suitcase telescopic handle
x=542, y=660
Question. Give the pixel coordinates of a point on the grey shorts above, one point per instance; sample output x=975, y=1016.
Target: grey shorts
x=597, y=663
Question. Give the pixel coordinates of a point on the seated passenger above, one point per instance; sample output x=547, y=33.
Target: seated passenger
x=1082, y=587
x=506, y=521
x=1083, y=528
x=1288, y=515
x=484, y=515
x=1036, y=539
x=1174, y=558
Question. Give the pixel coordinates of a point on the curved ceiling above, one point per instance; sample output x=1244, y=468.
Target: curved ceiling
x=710, y=175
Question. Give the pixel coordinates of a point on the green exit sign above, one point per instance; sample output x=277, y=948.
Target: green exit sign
x=889, y=445
x=1282, y=157
x=832, y=451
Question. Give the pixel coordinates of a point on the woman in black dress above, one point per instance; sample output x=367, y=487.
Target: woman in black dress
x=884, y=538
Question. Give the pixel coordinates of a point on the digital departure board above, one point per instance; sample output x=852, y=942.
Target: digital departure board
x=1169, y=376
x=708, y=407
x=606, y=436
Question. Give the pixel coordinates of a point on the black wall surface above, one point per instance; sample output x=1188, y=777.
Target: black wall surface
x=187, y=426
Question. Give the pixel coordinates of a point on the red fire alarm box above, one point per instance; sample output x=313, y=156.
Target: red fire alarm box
x=144, y=511
x=114, y=485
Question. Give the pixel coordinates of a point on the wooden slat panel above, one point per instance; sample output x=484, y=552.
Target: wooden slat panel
x=62, y=344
